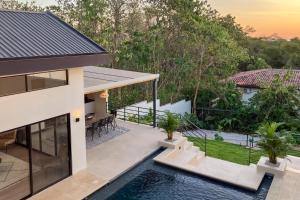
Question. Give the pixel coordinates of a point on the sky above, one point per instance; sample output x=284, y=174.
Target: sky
x=267, y=17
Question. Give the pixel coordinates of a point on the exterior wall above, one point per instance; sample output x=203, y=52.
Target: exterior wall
x=98, y=106
x=180, y=107
x=248, y=93
x=27, y=108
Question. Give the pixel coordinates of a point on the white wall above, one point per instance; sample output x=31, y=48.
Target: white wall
x=180, y=107
x=27, y=108
x=248, y=93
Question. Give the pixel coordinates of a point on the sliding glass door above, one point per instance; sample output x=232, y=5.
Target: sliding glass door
x=50, y=152
x=14, y=165
x=34, y=157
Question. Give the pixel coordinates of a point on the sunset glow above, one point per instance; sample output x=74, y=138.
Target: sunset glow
x=265, y=16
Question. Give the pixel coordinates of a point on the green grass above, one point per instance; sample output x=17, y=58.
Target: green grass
x=232, y=152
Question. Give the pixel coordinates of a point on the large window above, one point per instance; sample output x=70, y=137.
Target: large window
x=12, y=85
x=26, y=83
x=34, y=157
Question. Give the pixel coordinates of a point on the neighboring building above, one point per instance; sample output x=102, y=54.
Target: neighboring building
x=43, y=83
x=252, y=81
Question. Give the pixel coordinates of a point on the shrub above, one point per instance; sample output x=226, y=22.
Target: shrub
x=169, y=124
x=274, y=143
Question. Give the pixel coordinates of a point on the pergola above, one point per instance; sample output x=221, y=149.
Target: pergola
x=97, y=79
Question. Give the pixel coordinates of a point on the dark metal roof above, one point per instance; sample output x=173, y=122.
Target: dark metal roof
x=26, y=34
x=32, y=35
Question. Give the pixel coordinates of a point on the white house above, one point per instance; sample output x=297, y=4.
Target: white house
x=250, y=82
x=43, y=82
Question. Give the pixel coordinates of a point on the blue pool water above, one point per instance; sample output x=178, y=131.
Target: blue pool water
x=153, y=181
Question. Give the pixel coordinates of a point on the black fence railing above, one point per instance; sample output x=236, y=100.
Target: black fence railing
x=239, y=148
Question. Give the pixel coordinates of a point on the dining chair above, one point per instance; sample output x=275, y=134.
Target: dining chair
x=102, y=124
x=110, y=122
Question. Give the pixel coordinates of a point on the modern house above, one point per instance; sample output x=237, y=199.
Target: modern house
x=251, y=81
x=47, y=70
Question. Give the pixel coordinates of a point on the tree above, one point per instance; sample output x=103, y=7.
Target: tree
x=16, y=5
x=273, y=142
x=277, y=102
x=170, y=124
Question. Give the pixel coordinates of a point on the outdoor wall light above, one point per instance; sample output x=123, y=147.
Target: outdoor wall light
x=104, y=94
x=77, y=116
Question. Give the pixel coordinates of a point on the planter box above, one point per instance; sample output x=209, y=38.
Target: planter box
x=267, y=167
x=176, y=143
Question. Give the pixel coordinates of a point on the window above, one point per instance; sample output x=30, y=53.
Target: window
x=14, y=165
x=46, y=80
x=50, y=152
x=26, y=83
x=12, y=85
x=34, y=157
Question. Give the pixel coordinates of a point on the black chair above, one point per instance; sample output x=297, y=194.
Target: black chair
x=110, y=122
x=102, y=124
x=114, y=113
x=94, y=128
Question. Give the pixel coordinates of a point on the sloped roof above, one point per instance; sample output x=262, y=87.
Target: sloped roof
x=264, y=77
x=32, y=35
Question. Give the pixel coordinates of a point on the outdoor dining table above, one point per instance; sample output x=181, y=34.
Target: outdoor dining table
x=96, y=118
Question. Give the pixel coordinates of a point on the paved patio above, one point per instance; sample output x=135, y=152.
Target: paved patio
x=107, y=161
x=112, y=158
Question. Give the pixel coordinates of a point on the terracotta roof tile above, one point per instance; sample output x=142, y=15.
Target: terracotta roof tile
x=264, y=77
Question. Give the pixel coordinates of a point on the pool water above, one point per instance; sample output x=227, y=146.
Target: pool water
x=153, y=181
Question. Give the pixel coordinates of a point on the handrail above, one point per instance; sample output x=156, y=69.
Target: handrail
x=136, y=111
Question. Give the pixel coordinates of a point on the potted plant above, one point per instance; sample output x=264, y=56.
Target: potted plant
x=170, y=124
x=273, y=142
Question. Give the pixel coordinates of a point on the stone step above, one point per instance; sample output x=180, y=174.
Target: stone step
x=187, y=145
x=183, y=157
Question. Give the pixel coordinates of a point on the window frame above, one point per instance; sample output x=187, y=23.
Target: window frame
x=29, y=150
x=26, y=82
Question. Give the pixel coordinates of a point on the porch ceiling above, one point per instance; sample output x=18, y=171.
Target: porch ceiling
x=99, y=78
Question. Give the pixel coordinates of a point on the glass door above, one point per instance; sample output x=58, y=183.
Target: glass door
x=50, y=152
x=14, y=164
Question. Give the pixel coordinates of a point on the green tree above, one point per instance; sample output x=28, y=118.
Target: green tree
x=273, y=142
x=277, y=102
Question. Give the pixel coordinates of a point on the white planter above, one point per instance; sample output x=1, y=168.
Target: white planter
x=267, y=167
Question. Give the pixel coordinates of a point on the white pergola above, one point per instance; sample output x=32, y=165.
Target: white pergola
x=97, y=79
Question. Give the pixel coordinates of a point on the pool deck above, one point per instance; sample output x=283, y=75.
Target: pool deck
x=106, y=162
x=287, y=186
x=109, y=160
x=183, y=155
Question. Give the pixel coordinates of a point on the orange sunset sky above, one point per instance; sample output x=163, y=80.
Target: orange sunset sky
x=265, y=16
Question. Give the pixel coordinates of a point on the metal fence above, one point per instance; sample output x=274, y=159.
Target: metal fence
x=240, y=148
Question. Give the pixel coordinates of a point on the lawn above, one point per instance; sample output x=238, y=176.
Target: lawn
x=232, y=152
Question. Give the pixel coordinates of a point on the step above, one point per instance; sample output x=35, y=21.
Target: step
x=182, y=157
x=195, y=161
x=187, y=145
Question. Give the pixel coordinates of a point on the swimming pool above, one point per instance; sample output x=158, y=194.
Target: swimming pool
x=153, y=181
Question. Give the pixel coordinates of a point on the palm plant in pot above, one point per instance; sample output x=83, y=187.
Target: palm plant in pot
x=273, y=142
x=170, y=124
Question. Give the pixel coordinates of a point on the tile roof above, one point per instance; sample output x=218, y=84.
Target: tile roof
x=32, y=34
x=264, y=77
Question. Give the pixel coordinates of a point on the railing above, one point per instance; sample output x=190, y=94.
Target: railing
x=206, y=142
x=145, y=116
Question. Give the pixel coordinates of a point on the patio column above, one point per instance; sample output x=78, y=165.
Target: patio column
x=154, y=96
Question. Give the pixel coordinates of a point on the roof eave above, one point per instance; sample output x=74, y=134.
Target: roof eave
x=31, y=65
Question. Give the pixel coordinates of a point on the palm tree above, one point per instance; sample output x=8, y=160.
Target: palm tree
x=170, y=124
x=273, y=142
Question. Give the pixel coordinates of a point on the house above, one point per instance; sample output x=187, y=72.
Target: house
x=47, y=70
x=251, y=81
